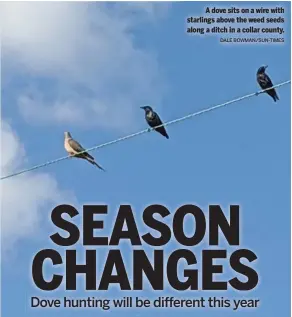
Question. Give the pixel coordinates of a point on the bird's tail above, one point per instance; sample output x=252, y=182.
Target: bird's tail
x=94, y=163
x=277, y=97
x=162, y=131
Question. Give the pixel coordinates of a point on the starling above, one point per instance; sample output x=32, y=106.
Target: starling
x=265, y=82
x=73, y=148
x=153, y=120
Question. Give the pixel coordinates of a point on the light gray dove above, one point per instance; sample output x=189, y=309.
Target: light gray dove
x=73, y=148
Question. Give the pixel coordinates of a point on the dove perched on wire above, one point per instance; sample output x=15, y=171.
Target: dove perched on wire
x=265, y=82
x=73, y=148
x=153, y=120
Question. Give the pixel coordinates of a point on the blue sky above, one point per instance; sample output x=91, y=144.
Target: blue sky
x=88, y=73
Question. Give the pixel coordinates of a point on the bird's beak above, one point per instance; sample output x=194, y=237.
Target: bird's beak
x=266, y=66
x=142, y=108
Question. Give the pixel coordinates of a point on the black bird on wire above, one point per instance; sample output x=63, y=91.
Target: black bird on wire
x=153, y=120
x=265, y=82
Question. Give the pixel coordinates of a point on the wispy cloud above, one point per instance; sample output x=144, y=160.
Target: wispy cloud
x=80, y=67
x=99, y=75
x=24, y=197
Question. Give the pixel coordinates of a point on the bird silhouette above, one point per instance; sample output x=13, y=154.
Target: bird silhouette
x=153, y=120
x=73, y=148
x=265, y=82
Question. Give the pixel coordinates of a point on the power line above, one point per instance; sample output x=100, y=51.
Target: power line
x=149, y=129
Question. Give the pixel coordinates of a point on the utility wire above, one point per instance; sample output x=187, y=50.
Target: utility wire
x=148, y=130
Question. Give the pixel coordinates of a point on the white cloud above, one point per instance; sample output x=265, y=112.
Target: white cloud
x=89, y=50
x=24, y=197
x=77, y=110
